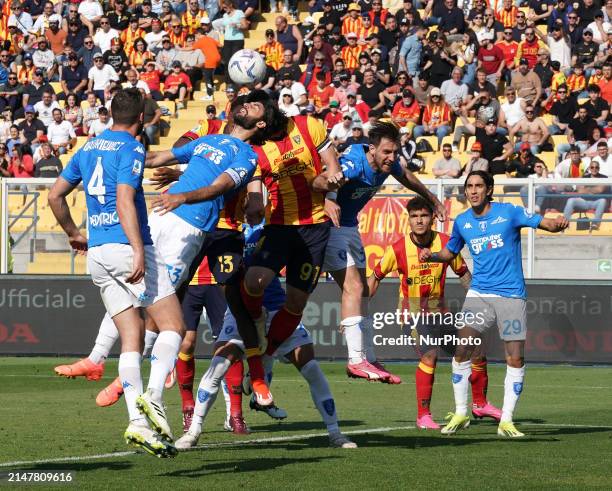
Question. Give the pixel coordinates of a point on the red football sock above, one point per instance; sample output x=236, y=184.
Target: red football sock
x=233, y=379
x=185, y=372
x=425, y=375
x=251, y=302
x=282, y=326
x=480, y=381
x=256, y=369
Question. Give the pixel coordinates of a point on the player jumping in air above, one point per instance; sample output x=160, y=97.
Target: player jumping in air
x=492, y=233
x=124, y=263
x=365, y=167
x=297, y=349
x=422, y=290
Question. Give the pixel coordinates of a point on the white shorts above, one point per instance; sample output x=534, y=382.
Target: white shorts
x=110, y=264
x=344, y=249
x=177, y=242
x=229, y=334
x=509, y=314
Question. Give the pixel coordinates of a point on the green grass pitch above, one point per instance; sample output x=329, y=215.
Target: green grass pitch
x=564, y=411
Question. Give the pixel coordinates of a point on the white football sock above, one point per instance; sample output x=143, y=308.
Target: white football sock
x=268, y=364
x=353, y=333
x=226, y=396
x=513, y=386
x=207, y=391
x=149, y=341
x=461, y=385
x=321, y=395
x=368, y=339
x=129, y=374
x=107, y=335
x=163, y=359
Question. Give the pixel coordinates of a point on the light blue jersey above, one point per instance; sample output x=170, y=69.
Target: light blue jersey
x=208, y=157
x=114, y=157
x=363, y=183
x=494, y=241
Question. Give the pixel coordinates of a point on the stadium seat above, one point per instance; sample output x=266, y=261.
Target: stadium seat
x=433, y=141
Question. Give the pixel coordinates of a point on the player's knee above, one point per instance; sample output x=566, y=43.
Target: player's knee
x=255, y=282
x=515, y=361
x=229, y=351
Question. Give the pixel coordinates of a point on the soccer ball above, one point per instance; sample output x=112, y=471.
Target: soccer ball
x=247, y=67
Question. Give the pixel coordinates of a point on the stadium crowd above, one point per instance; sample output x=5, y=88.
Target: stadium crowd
x=526, y=79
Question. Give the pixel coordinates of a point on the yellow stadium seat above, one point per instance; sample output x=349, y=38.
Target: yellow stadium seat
x=433, y=141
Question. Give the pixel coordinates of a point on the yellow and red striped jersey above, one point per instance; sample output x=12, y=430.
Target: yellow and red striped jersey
x=274, y=54
x=203, y=275
x=595, y=79
x=138, y=59
x=4, y=17
x=128, y=36
x=508, y=17
x=24, y=74
x=177, y=39
x=192, y=21
x=421, y=284
x=351, y=56
x=364, y=32
x=576, y=83
x=287, y=168
x=205, y=127
x=352, y=25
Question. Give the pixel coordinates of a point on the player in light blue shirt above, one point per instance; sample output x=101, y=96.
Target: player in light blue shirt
x=125, y=265
x=492, y=233
x=365, y=168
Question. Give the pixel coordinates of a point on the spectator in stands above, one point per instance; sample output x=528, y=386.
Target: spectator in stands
x=352, y=22
x=590, y=201
x=476, y=161
x=436, y=117
x=117, y=58
x=151, y=77
x=562, y=14
x=73, y=113
x=33, y=91
x=410, y=52
x=481, y=30
x=44, y=59
x=481, y=84
x=100, y=76
x=6, y=121
x=56, y=37
x=298, y=91
x=447, y=167
x=334, y=116
x=452, y=23
x=11, y=93
x=92, y=11
x=371, y=91
x=351, y=52
x=129, y=35
x=192, y=17
x=151, y=120
x=559, y=44
x=356, y=138
x=579, y=132
x=603, y=157
x=597, y=107
x=166, y=56
x=574, y=166
x=48, y=166
x=233, y=24
x=139, y=55
x=393, y=94
x=177, y=85
x=4, y=161
x=513, y=110
x=539, y=172
x=133, y=82
x=87, y=53
x=104, y=122
x=274, y=50
x=22, y=164
x=192, y=60
x=209, y=46
x=529, y=47
x=119, y=18
x=605, y=84
x=527, y=83
x=287, y=104
x=341, y=131
x=564, y=111
x=319, y=45
x=104, y=35
x=90, y=114
x=155, y=36
x=599, y=27
x=454, y=90
x=524, y=164
x=406, y=112
x=289, y=67
x=585, y=52
x=422, y=90
x=60, y=133
x=74, y=17
x=438, y=61
x=20, y=18
x=485, y=108
x=321, y=94
x=74, y=78
x=44, y=108
x=16, y=137
x=309, y=77
x=496, y=148
x=249, y=7
x=530, y=129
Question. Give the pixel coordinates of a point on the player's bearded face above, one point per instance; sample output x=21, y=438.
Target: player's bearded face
x=248, y=115
x=385, y=155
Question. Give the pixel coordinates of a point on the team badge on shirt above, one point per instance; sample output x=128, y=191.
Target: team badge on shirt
x=482, y=226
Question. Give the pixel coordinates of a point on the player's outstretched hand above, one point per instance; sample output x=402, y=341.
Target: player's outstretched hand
x=79, y=244
x=138, y=268
x=440, y=212
x=167, y=202
x=165, y=176
x=332, y=210
x=425, y=255
x=335, y=181
x=560, y=223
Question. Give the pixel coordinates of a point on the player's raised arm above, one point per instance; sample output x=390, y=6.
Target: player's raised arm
x=160, y=159
x=410, y=181
x=128, y=217
x=57, y=202
x=444, y=256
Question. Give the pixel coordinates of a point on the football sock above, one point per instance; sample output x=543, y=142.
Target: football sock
x=226, y=397
x=185, y=372
x=268, y=364
x=252, y=303
x=107, y=335
x=321, y=395
x=282, y=326
x=513, y=386
x=163, y=358
x=460, y=379
x=355, y=338
x=233, y=379
x=129, y=373
x=208, y=389
x=149, y=341
x=425, y=375
x=480, y=381
x=368, y=339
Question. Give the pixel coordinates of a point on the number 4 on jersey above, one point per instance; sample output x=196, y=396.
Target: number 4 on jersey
x=96, y=183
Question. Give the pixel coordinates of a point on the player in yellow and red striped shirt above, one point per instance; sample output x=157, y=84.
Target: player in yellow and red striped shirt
x=422, y=290
x=291, y=166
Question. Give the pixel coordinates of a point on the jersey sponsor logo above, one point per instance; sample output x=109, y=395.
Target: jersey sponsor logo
x=467, y=225
x=291, y=170
x=208, y=152
x=427, y=279
x=498, y=220
x=480, y=244
x=482, y=226
x=290, y=155
x=104, y=219
x=421, y=266
x=104, y=145
x=367, y=191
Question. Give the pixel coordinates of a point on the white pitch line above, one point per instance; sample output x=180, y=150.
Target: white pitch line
x=274, y=439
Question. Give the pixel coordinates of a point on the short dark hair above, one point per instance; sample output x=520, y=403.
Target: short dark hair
x=321, y=76
x=381, y=130
x=58, y=110
x=127, y=106
x=486, y=177
x=103, y=111
x=594, y=88
x=419, y=203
